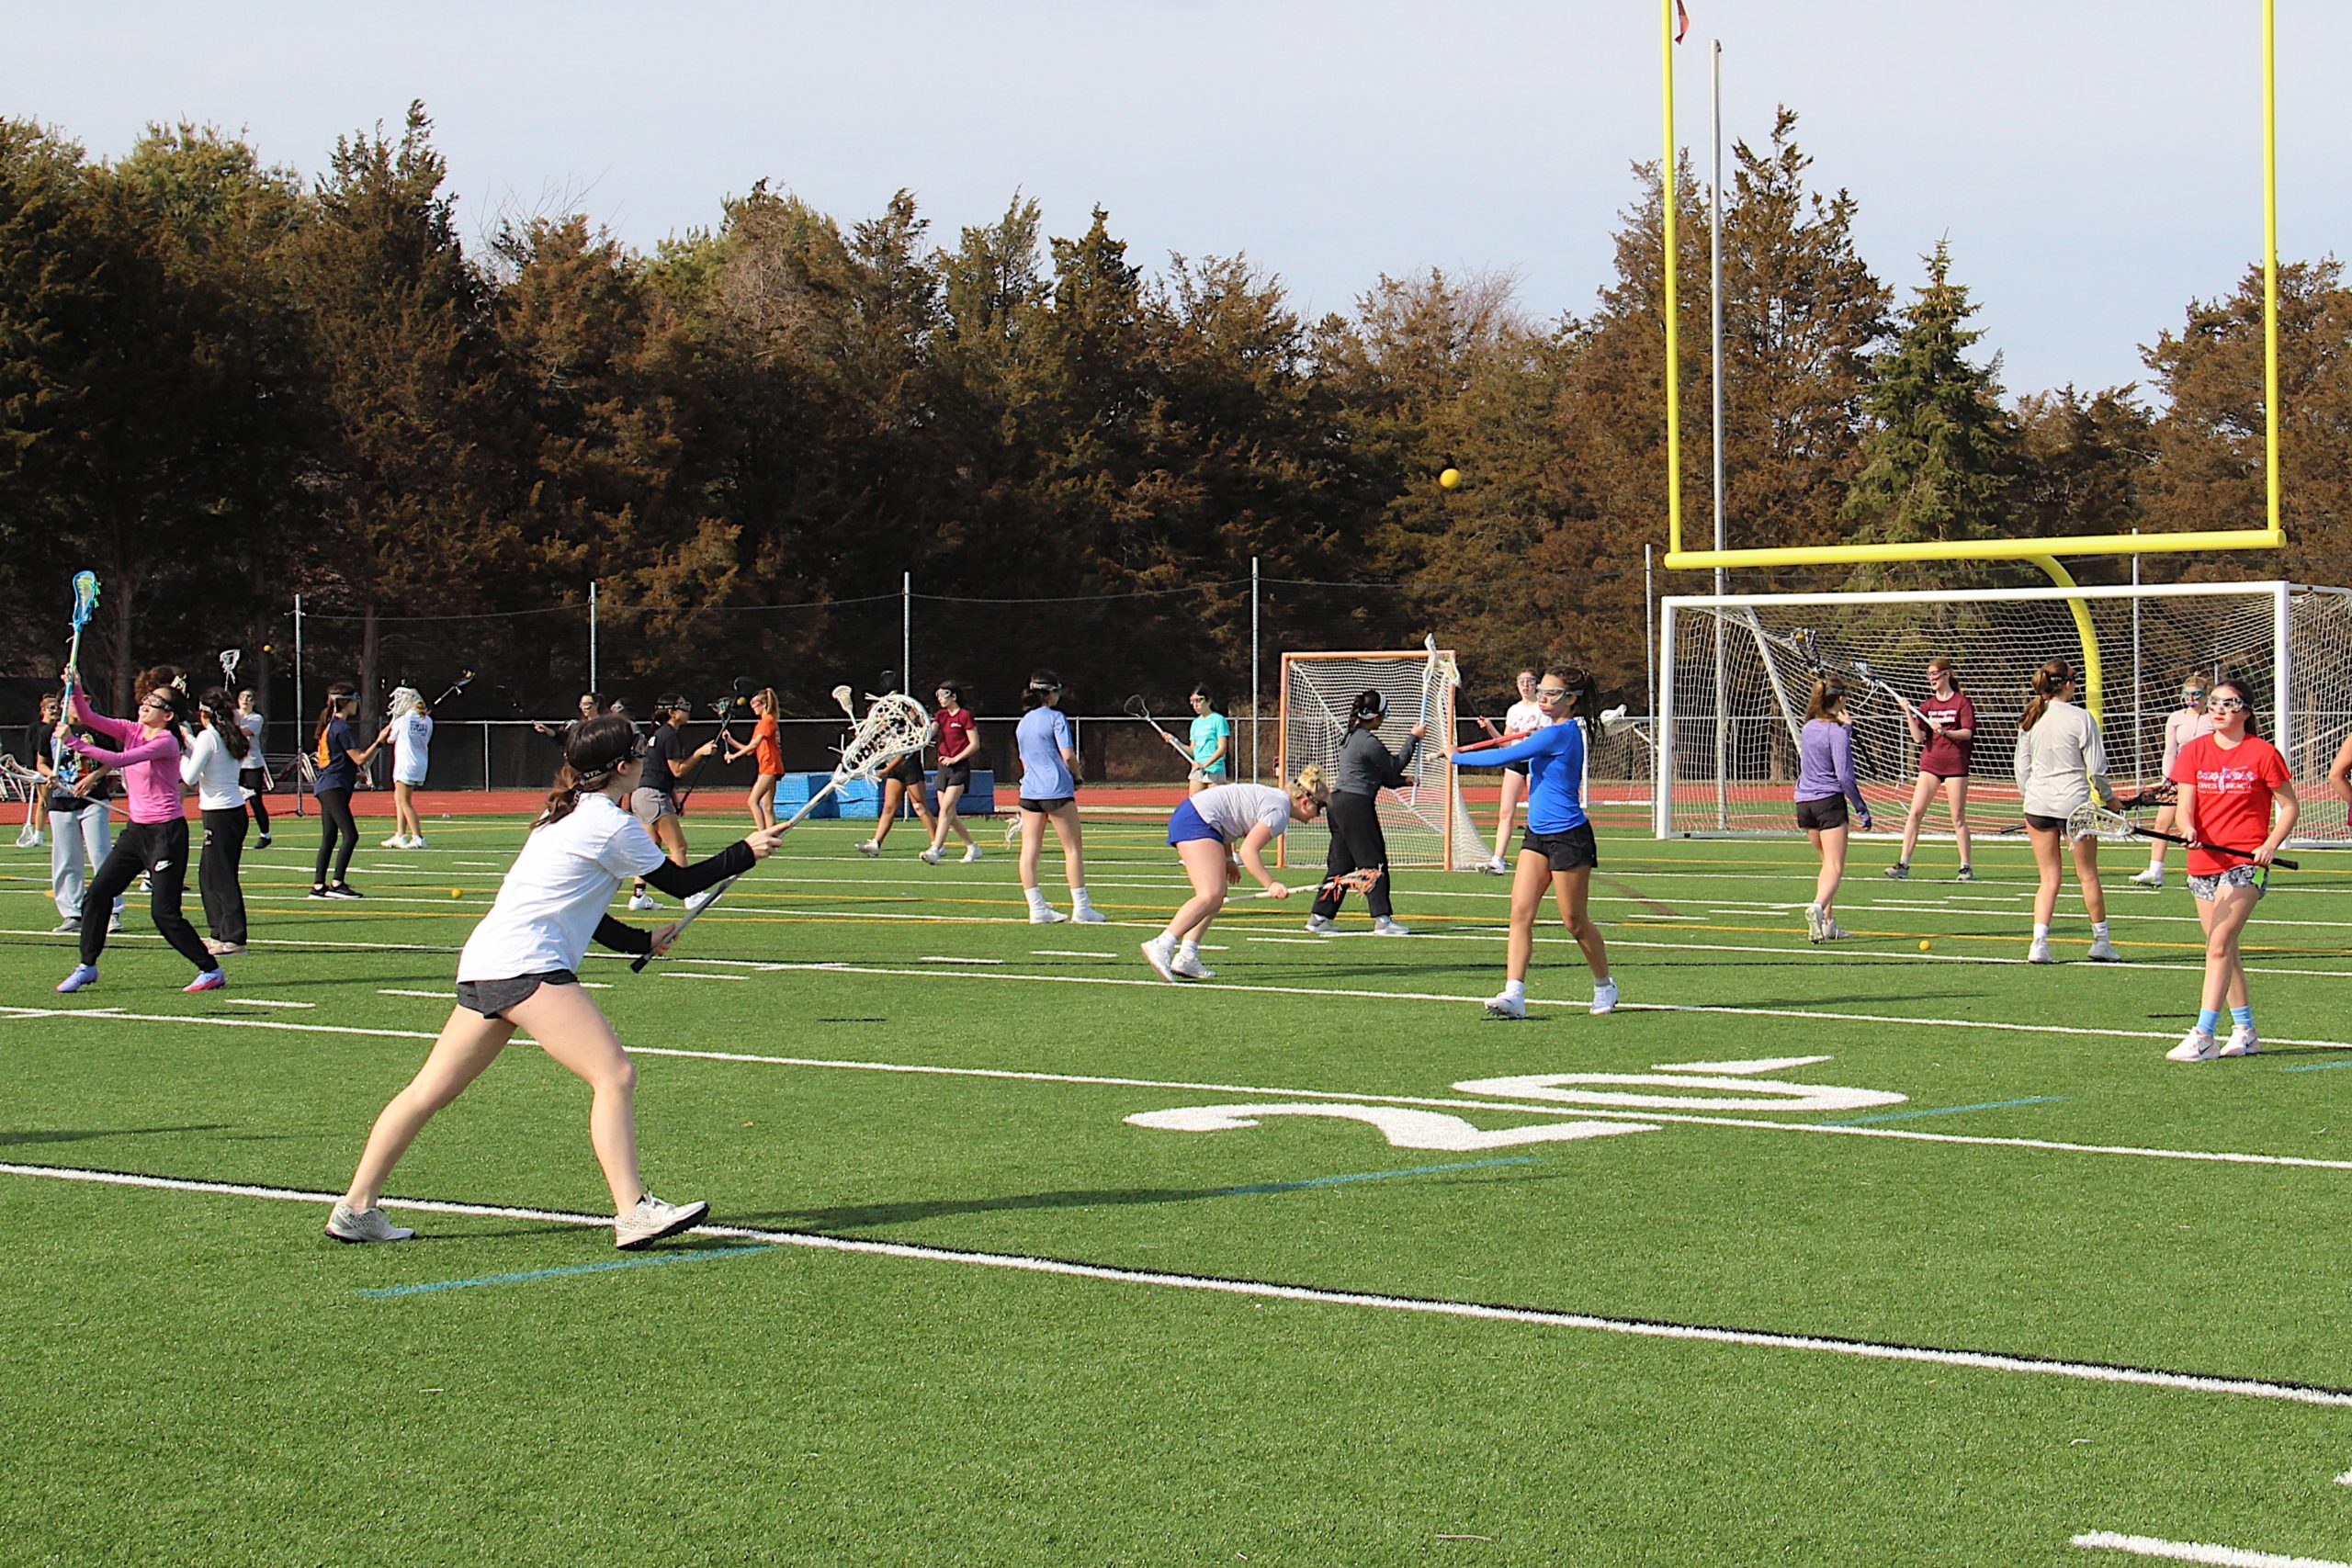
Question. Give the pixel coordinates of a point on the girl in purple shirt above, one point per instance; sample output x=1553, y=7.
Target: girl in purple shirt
x=155, y=841
x=1824, y=783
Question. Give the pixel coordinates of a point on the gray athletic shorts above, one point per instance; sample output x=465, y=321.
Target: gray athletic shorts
x=493, y=997
x=650, y=805
x=2204, y=889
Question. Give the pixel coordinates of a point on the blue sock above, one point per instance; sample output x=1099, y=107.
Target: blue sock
x=2243, y=1017
x=2209, y=1020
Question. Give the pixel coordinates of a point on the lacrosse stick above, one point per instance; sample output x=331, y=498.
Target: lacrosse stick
x=893, y=728
x=1613, y=722
x=457, y=687
x=229, y=657
x=1357, y=881
x=85, y=601
x=1440, y=676
x=2098, y=822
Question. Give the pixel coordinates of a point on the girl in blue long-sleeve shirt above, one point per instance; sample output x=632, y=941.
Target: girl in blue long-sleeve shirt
x=1558, y=848
x=1824, y=783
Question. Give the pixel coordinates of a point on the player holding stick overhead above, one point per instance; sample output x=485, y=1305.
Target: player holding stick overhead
x=2061, y=763
x=2230, y=783
x=519, y=971
x=1364, y=768
x=1523, y=718
x=253, y=772
x=1944, y=728
x=2182, y=726
x=959, y=742
x=1558, y=849
x=155, y=841
x=1824, y=783
x=1217, y=834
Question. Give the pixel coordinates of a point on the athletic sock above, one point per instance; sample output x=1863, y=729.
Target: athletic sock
x=2243, y=1017
x=1078, y=898
x=2098, y=930
x=1036, y=897
x=2209, y=1020
x=1515, y=989
x=2041, y=932
x=1191, y=948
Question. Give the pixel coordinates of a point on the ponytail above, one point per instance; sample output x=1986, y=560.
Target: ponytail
x=2048, y=681
x=1043, y=686
x=339, y=693
x=592, y=753
x=216, y=711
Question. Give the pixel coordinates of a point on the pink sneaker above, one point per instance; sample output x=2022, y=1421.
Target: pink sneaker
x=210, y=980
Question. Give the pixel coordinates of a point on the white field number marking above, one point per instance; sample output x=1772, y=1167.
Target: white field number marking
x=1404, y=1129
x=1738, y=1089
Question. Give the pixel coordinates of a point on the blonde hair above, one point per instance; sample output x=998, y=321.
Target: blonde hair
x=1312, y=784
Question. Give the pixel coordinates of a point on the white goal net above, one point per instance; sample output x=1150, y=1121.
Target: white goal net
x=1424, y=823
x=1738, y=670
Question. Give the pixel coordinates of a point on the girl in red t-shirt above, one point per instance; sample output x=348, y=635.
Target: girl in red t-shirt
x=959, y=742
x=2235, y=797
x=768, y=748
x=1944, y=728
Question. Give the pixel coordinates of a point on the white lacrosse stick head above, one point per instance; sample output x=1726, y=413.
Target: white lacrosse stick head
x=405, y=700
x=844, y=696
x=895, y=726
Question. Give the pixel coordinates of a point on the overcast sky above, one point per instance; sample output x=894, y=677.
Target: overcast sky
x=2095, y=163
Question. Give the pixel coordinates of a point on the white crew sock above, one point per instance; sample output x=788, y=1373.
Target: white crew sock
x=2041, y=932
x=2098, y=930
x=1515, y=989
x=1078, y=900
x=1037, y=899
x=1191, y=947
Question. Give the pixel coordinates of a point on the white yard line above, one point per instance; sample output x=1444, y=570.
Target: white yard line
x=945, y=958
x=702, y=974
x=1262, y=1290
x=263, y=1002
x=2197, y=1551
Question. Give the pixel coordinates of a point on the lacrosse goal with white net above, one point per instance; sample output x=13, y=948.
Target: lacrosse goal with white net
x=1739, y=670
x=1424, y=823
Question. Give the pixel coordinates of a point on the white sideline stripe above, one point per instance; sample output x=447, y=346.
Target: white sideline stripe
x=275, y=940
x=699, y=974
x=263, y=1002
x=943, y=958
x=1069, y=953
x=1982, y=1361
x=1902, y=1134
x=2197, y=1551
x=435, y=995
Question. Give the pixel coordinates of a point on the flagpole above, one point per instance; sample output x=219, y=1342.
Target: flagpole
x=1716, y=375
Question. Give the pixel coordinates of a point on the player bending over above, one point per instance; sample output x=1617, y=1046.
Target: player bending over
x=519, y=970
x=1217, y=834
x=1558, y=846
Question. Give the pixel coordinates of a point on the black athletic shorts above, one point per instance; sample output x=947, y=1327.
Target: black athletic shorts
x=906, y=770
x=493, y=997
x=2047, y=824
x=1519, y=768
x=1822, y=815
x=1569, y=851
x=956, y=773
x=1042, y=806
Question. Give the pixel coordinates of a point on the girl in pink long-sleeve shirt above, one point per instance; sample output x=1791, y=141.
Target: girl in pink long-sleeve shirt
x=155, y=841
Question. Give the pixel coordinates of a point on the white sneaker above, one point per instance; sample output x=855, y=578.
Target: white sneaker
x=1495, y=867
x=869, y=848
x=2103, y=951
x=1088, y=915
x=971, y=854
x=348, y=1224
x=2040, y=952
x=2242, y=1041
x=1189, y=966
x=652, y=1219
x=416, y=841
x=1160, y=954
x=641, y=902
x=2196, y=1046
x=1604, y=996
x=1505, y=1005
x=1045, y=915
x=1386, y=927
x=1832, y=932
x=397, y=841
x=2152, y=877
x=930, y=856
x=1320, y=925
x=1816, y=924
x=1899, y=872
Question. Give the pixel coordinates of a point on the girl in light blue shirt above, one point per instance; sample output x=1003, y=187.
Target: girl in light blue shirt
x=1048, y=794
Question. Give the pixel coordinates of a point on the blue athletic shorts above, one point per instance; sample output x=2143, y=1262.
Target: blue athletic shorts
x=1186, y=826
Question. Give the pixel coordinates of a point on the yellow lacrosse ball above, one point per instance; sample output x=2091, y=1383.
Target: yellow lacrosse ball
x=1449, y=478
x=1924, y=944
x=459, y=893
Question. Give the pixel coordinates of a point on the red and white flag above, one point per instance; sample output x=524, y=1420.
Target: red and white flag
x=1681, y=21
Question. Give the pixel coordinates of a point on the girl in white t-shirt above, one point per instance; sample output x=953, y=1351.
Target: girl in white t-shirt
x=412, y=733
x=518, y=971
x=1523, y=718
x=1218, y=833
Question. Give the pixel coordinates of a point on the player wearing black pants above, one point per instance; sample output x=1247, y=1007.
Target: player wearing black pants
x=1365, y=767
x=337, y=754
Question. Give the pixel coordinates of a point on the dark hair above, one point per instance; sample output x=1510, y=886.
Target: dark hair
x=1202, y=691
x=2048, y=681
x=219, y=710
x=670, y=701
x=339, y=693
x=596, y=699
x=953, y=688
x=1828, y=695
x=1370, y=707
x=172, y=681
x=1582, y=686
x=1043, y=684
x=2244, y=695
x=592, y=754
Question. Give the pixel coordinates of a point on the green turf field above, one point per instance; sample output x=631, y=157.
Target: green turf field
x=1394, y=1320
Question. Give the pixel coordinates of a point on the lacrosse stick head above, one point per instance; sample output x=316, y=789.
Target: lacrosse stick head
x=845, y=698
x=1137, y=708
x=229, y=658
x=405, y=700
x=86, y=597
x=895, y=726
x=1613, y=720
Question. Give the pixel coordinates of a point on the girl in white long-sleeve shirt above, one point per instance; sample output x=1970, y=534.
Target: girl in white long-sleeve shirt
x=2061, y=762
x=214, y=766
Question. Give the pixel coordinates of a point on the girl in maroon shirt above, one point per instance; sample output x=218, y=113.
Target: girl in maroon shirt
x=1944, y=728
x=959, y=742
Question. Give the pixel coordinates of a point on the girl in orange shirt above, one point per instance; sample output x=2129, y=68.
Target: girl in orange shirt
x=766, y=746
